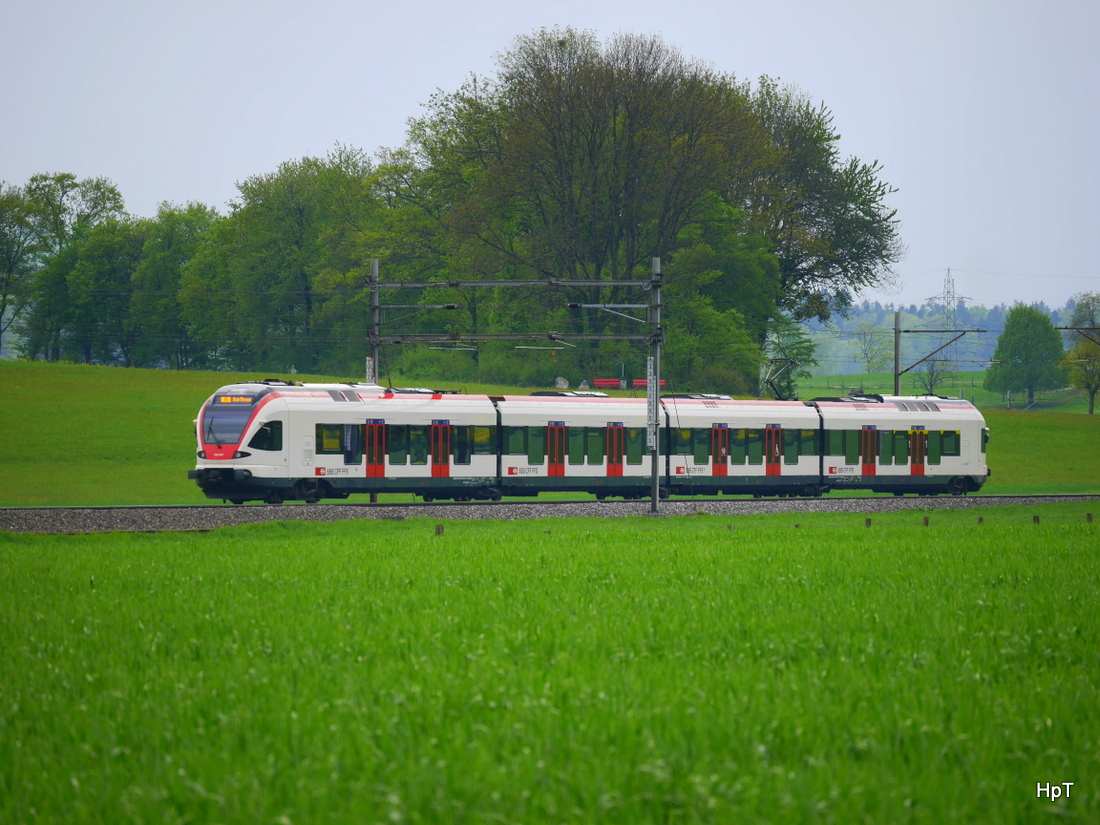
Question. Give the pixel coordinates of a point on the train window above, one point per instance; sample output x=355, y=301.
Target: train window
x=809, y=442
x=901, y=447
x=418, y=444
x=754, y=444
x=834, y=442
x=681, y=441
x=484, y=440
x=700, y=441
x=951, y=442
x=461, y=444
x=635, y=445
x=935, y=446
x=268, y=437
x=738, y=446
x=595, y=438
x=792, y=445
x=515, y=440
x=330, y=439
x=397, y=442
x=576, y=445
x=353, y=442
x=225, y=424
x=536, y=445
x=886, y=447
x=851, y=446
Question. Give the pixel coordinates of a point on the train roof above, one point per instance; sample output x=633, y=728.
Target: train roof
x=299, y=394
x=904, y=403
x=596, y=403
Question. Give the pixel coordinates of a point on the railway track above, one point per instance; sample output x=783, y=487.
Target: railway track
x=160, y=518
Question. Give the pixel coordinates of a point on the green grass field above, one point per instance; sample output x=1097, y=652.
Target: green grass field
x=76, y=434
x=701, y=669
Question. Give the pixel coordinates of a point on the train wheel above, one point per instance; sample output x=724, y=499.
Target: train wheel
x=309, y=491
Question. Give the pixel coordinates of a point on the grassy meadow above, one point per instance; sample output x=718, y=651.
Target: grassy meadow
x=87, y=435
x=701, y=669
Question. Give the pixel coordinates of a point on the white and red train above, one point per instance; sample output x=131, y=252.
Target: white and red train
x=274, y=441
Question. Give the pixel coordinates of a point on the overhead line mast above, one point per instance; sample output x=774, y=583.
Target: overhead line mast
x=655, y=337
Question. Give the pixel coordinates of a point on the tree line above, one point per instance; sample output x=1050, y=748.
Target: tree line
x=578, y=160
x=1023, y=349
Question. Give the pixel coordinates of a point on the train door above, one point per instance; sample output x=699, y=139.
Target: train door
x=555, y=449
x=720, y=449
x=773, y=449
x=441, y=449
x=616, y=446
x=918, y=451
x=868, y=449
x=375, y=449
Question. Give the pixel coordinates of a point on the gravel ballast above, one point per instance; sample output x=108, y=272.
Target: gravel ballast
x=210, y=517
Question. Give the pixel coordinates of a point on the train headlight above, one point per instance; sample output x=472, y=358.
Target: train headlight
x=202, y=453
x=240, y=454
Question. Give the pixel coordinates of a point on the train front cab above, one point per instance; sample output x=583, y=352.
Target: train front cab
x=240, y=433
x=311, y=442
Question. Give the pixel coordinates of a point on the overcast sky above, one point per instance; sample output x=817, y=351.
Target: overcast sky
x=983, y=113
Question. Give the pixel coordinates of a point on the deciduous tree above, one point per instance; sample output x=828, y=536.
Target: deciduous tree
x=19, y=248
x=172, y=240
x=931, y=374
x=254, y=288
x=873, y=345
x=98, y=326
x=582, y=160
x=1085, y=316
x=1082, y=363
x=62, y=210
x=827, y=215
x=788, y=342
x=1028, y=354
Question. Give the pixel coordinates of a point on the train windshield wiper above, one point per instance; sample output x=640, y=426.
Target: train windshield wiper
x=211, y=436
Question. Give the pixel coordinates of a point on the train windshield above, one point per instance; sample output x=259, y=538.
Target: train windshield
x=226, y=416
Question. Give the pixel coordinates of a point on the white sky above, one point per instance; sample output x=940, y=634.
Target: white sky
x=984, y=113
